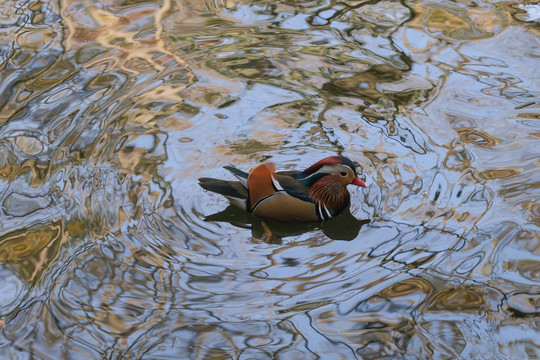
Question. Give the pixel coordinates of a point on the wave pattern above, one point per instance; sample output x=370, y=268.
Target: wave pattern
x=110, y=111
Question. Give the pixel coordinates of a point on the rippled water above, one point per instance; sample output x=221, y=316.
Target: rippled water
x=110, y=110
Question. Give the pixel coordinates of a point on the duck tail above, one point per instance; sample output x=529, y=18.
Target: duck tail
x=240, y=175
x=234, y=191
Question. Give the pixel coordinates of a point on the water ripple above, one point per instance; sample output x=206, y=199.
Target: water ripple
x=110, y=111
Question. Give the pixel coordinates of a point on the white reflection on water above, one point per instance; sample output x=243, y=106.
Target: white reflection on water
x=110, y=111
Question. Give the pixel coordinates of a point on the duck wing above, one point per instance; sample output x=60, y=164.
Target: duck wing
x=294, y=187
x=278, y=196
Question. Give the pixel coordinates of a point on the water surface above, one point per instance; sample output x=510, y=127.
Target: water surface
x=111, y=110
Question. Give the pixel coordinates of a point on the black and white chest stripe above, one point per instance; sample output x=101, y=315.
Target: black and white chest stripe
x=322, y=212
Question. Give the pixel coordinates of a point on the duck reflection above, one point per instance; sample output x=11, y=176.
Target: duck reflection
x=343, y=227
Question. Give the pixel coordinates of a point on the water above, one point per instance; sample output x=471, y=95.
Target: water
x=111, y=110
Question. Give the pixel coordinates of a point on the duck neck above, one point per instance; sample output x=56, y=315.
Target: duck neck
x=330, y=192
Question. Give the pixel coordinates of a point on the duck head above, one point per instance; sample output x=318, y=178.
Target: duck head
x=327, y=181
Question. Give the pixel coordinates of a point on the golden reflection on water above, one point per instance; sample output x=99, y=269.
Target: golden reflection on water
x=30, y=252
x=110, y=111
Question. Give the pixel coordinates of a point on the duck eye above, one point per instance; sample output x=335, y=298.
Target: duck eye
x=343, y=173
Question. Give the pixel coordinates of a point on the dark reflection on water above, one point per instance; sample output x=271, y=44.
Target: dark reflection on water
x=110, y=111
x=343, y=227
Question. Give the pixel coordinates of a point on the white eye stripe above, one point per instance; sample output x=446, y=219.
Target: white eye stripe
x=336, y=169
x=326, y=169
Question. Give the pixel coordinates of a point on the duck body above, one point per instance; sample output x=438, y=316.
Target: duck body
x=315, y=194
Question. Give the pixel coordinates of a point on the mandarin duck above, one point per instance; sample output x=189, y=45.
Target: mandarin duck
x=315, y=194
